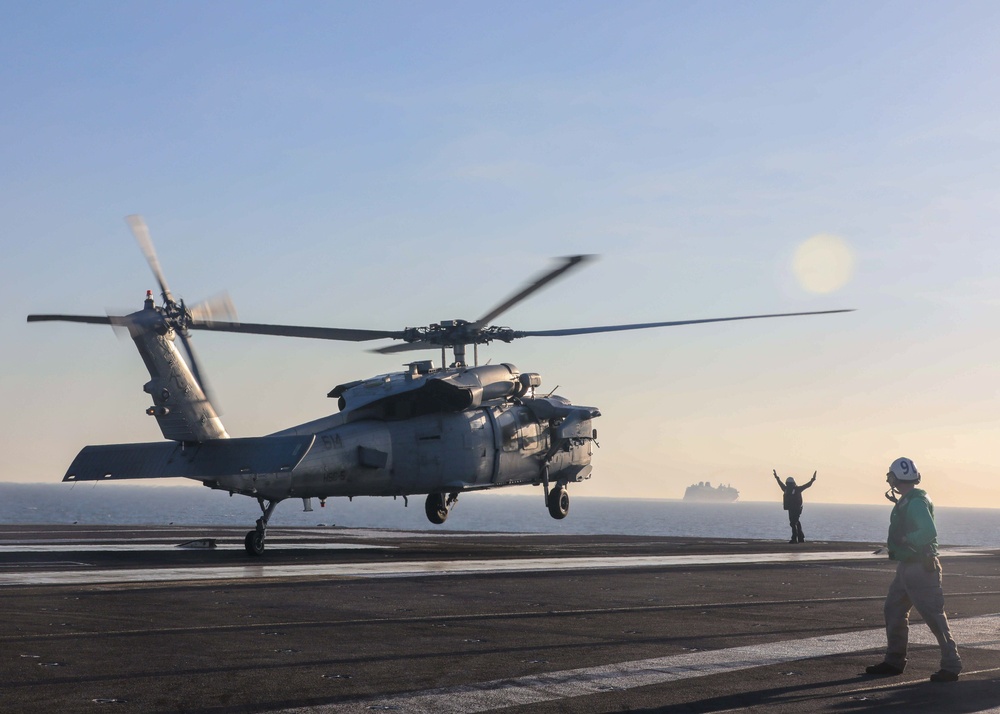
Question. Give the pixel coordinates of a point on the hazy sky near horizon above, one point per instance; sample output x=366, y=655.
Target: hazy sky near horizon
x=391, y=164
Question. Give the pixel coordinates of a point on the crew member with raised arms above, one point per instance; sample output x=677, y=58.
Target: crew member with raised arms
x=792, y=502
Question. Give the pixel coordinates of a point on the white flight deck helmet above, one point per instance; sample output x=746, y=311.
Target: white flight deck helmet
x=904, y=470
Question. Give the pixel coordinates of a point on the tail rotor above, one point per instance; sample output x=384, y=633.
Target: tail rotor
x=171, y=315
x=176, y=314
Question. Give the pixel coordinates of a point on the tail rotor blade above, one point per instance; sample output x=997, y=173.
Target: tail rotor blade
x=215, y=309
x=196, y=370
x=141, y=233
x=119, y=323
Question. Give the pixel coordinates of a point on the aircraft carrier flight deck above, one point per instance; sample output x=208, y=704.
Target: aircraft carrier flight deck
x=182, y=619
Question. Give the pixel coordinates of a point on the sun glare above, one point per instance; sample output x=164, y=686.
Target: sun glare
x=823, y=263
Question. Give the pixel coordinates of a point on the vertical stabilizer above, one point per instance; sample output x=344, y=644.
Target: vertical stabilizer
x=180, y=406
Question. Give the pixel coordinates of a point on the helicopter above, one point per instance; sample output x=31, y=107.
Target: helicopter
x=431, y=431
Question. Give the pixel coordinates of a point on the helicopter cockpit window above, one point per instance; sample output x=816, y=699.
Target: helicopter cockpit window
x=507, y=421
x=531, y=435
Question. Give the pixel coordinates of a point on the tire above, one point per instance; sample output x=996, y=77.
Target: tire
x=254, y=543
x=436, y=508
x=559, y=503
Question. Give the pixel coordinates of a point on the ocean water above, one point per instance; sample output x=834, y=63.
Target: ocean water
x=128, y=504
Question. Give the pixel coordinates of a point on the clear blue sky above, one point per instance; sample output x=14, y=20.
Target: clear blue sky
x=390, y=164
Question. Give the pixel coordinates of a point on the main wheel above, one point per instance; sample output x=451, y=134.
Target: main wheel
x=254, y=543
x=559, y=502
x=436, y=507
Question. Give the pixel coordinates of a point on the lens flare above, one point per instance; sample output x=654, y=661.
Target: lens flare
x=823, y=263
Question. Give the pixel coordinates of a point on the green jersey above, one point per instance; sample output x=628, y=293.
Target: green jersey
x=912, y=535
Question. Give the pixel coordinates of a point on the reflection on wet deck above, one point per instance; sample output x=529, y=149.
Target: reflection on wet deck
x=261, y=569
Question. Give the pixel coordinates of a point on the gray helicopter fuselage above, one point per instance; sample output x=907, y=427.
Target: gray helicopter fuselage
x=493, y=445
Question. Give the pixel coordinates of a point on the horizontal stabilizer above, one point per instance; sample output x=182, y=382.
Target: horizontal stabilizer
x=203, y=462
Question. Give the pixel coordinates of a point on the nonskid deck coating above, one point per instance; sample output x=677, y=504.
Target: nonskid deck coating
x=576, y=624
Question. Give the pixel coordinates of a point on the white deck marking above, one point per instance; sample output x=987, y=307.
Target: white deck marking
x=260, y=569
x=972, y=632
x=173, y=545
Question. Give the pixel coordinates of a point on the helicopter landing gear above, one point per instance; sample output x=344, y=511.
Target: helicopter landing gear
x=558, y=502
x=254, y=542
x=438, y=506
x=557, y=499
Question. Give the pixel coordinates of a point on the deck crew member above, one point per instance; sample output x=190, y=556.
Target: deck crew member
x=913, y=544
x=792, y=502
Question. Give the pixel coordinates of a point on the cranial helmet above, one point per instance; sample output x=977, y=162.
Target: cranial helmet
x=904, y=470
x=789, y=481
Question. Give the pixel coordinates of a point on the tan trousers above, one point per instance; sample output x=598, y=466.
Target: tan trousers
x=912, y=587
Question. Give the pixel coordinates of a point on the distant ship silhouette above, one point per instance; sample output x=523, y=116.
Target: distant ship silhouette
x=704, y=491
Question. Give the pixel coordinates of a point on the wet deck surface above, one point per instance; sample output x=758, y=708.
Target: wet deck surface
x=336, y=620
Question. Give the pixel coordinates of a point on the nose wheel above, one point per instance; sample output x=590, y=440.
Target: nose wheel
x=558, y=502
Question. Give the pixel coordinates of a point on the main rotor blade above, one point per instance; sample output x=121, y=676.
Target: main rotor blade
x=318, y=333
x=407, y=347
x=88, y=319
x=646, y=325
x=141, y=233
x=568, y=263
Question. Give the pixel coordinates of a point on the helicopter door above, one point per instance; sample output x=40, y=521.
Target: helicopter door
x=480, y=447
x=453, y=451
x=521, y=442
x=507, y=444
x=430, y=448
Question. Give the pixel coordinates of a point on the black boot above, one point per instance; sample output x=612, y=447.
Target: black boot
x=883, y=669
